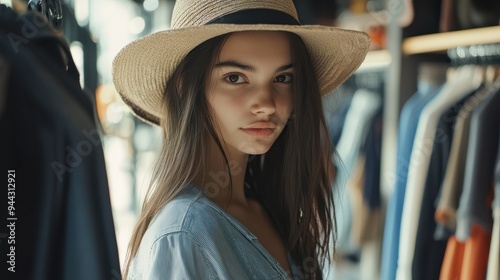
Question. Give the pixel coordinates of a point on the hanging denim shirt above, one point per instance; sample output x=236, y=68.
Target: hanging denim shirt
x=193, y=238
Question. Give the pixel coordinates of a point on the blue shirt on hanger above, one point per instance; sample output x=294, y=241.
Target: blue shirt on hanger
x=408, y=123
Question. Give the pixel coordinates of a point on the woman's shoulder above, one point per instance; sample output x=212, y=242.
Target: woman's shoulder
x=176, y=230
x=189, y=212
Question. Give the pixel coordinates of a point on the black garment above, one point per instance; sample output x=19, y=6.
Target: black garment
x=480, y=166
x=372, y=148
x=429, y=252
x=64, y=227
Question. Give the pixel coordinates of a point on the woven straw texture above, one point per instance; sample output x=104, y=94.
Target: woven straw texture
x=195, y=12
x=142, y=68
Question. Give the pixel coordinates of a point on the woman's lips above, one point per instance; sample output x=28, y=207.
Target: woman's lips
x=259, y=132
x=260, y=129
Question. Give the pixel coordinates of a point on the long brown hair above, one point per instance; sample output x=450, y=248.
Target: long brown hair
x=293, y=182
x=291, y=179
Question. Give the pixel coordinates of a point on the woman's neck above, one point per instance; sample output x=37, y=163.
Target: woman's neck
x=215, y=181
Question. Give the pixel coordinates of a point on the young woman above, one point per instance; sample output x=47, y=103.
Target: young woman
x=241, y=189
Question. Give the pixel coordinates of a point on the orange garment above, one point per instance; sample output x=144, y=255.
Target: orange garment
x=477, y=249
x=469, y=260
x=452, y=262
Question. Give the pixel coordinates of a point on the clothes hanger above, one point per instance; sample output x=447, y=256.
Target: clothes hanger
x=51, y=9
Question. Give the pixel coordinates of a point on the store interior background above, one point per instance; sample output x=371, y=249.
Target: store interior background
x=97, y=29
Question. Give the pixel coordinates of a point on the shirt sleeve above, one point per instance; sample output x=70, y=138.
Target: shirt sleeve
x=178, y=256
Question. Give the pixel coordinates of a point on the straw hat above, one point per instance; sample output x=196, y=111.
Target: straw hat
x=142, y=68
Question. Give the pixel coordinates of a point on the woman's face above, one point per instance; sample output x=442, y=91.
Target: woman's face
x=250, y=90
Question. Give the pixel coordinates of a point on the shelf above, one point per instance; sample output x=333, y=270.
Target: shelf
x=446, y=40
x=375, y=60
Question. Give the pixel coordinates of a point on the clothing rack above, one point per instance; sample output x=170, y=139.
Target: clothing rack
x=484, y=54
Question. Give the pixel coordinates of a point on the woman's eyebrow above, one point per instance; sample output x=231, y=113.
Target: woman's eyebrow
x=242, y=66
x=284, y=67
x=236, y=64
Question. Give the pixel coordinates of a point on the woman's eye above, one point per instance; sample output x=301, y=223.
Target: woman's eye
x=285, y=78
x=234, y=79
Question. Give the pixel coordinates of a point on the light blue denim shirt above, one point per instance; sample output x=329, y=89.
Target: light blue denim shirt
x=193, y=238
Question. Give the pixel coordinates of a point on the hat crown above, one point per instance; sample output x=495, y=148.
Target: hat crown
x=188, y=13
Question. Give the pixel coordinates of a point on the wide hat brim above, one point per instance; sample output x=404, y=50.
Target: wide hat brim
x=142, y=68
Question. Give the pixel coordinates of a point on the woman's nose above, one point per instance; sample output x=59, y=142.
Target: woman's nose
x=263, y=103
